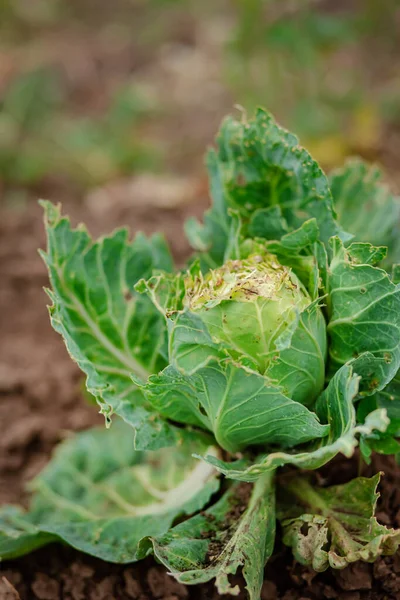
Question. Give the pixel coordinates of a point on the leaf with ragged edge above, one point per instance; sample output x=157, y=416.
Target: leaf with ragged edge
x=239, y=406
x=335, y=406
x=365, y=206
x=334, y=526
x=166, y=290
x=389, y=399
x=364, y=314
x=298, y=250
x=260, y=170
x=109, y=329
x=237, y=531
x=104, y=498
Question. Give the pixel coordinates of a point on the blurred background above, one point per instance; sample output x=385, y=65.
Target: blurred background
x=108, y=107
x=105, y=101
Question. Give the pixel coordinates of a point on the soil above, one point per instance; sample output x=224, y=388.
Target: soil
x=41, y=402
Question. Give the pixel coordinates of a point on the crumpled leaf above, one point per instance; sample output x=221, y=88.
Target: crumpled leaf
x=365, y=205
x=104, y=498
x=237, y=531
x=334, y=526
x=364, y=314
x=109, y=330
x=335, y=406
x=260, y=170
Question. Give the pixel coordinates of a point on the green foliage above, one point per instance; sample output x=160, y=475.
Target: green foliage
x=215, y=543
x=334, y=526
x=103, y=497
x=366, y=207
x=336, y=407
x=39, y=139
x=239, y=407
x=110, y=331
x=364, y=313
x=278, y=345
x=258, y=169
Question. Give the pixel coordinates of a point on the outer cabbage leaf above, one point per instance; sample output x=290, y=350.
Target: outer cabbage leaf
x=366, y=207
x=104, y=498
x=225, y=537
x=260, y=170
x=19, y=534
x=334, y=406
x=109, y=329
x=334, y=526
x=364, y=314
x=240, y=407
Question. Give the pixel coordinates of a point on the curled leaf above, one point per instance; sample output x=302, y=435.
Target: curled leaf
x=334, y=526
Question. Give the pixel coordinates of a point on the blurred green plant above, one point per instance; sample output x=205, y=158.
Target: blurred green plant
x=301, y=59
x=39, y=139
x=18, y=15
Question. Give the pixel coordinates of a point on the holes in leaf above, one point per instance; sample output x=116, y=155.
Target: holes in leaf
x=202, y=410
x=388, y=358
x=373, y=384
x=363, y=290
x=128, y=296
x=304, y=529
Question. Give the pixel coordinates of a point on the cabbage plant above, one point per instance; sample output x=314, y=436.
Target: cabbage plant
x=273, y=350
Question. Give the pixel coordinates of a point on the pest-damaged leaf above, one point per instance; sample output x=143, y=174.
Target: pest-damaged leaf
x=334, y=526
x=237, y=531
x=102, y=497
x=364, y=315
x=109, y=330
x=298, y=250
x=335, y=407
x=260, y=170
x=365, y=205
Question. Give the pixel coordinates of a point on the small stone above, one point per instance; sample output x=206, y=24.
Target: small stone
x=45, y=588
x=7, y=590
x=269, y=591
x=356, y=576
x=132, y=587
x=330, y=592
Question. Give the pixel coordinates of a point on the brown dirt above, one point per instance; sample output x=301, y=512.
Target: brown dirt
x=41, y=402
